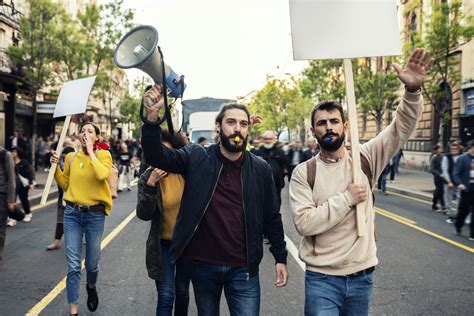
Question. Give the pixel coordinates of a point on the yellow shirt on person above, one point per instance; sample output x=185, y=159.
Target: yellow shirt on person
x=172, y=188
x=85, y=181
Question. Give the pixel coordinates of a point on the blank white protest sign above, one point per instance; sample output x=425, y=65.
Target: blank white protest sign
x=73, y=97
x=331, y=29
x=72, y=100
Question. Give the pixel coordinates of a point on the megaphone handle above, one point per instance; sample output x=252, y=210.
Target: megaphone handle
x=143, y=118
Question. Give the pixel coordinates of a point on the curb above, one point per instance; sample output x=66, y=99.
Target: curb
x=36, y=199
x=418, y=195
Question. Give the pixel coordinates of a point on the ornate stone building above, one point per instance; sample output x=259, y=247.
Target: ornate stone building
x=461, y=127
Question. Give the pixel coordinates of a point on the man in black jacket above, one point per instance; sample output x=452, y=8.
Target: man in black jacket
x=277, y=160
x=228, y=203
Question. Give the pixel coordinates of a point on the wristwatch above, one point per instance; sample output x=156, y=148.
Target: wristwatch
x=412, y=89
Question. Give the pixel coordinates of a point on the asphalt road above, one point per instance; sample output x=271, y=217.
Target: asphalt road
x=424, y=269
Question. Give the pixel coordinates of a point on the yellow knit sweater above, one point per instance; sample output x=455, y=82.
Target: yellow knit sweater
x=85, y=180
x=171, y=191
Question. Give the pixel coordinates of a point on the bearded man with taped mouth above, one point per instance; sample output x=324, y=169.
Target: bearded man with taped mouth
x=228, y=204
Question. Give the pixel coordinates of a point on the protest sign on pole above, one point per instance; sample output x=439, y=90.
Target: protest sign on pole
x=333, y=29
x=72, y=100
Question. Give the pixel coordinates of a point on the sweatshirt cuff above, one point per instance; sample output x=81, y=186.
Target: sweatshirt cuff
x=149, y=189
x=412, y=96
x=348, y=198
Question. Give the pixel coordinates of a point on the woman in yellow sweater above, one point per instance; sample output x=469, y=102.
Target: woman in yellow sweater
x=88, y=200
x=159, y=199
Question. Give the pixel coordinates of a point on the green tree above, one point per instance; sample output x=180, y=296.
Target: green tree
x=88, y=45
x=282, y=106
x=37, y=50
x=129, y=109
x=447, y=28
x=376, y=91
x=324, y=80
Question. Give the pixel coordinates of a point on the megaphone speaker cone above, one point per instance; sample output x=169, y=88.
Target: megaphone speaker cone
x=136, y=46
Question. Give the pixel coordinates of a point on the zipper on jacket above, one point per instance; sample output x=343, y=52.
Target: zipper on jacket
x=245, y=225
x=204, y=212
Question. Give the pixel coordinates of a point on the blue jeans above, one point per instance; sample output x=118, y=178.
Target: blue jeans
x=241, y=291
x=77, y=224
x=173, y=285
x=327, y=295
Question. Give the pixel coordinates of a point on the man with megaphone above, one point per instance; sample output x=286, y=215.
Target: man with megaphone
x=229, y=202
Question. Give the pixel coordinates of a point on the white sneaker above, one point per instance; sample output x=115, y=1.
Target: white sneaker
x=28, y=217
x=11, y=222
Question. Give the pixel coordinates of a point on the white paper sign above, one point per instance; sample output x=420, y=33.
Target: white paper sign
x=329, y=29
x=73, y=97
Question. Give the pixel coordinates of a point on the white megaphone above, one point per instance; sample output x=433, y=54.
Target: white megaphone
x=139, y=49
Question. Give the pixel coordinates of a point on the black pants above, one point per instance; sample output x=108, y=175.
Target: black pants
x=23, y=195
x=466, y=206
x=3, y=221
x=438, y=195
x=278, y=192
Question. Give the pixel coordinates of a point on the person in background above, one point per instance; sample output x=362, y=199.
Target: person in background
x=159, y=199
x=450, y=188
x=295, y=157
x=438, y=178
x=395, y=163
x=202, y=141
x=125, y=170
x=256, y=146
x=272, y=153
x=58, y=233
x=312, y=149
x=24, y=180
x=7, y=193
x=463, y=175
x=382, y=180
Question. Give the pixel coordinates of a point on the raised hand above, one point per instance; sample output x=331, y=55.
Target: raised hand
x=155, y=176
x=153, y=101
x=255, y=119
x=414, y=72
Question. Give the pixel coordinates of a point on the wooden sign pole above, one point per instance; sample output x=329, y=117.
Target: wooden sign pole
x=52, y=170
x=354, y=138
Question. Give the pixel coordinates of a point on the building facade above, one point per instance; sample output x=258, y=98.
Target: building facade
x=417, y=150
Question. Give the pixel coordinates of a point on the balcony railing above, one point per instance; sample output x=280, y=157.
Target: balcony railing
x=10, y=15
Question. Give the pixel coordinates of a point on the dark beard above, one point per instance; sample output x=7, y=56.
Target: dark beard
x=331, y=142
x=225, y=140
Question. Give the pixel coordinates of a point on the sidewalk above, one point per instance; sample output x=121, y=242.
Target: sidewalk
x=412, y=182
x=37, y=192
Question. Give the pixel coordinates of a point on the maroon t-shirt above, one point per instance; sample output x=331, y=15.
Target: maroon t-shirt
x=220, y=237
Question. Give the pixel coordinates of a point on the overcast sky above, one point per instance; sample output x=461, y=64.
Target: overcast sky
x=225, y=48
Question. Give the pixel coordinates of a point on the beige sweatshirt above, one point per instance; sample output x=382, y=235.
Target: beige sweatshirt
x=325, y=217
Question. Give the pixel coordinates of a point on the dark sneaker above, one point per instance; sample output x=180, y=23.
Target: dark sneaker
x=457, y=232
x=92, y=298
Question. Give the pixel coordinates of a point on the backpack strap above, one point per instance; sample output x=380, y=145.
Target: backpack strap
x=365, y=166
x=311, y=177
x=311, y=172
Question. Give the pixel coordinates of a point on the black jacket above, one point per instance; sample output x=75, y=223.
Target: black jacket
x=150, y=208
x=278, y=161
x=24, y=169
x=201, y=168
